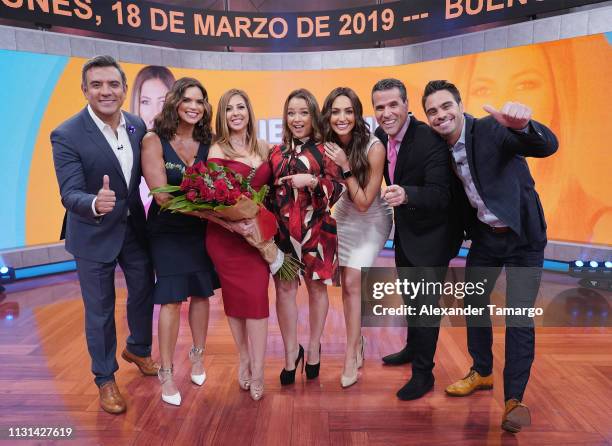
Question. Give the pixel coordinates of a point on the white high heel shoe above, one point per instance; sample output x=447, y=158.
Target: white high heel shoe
x=195, y=356
x=164, y=376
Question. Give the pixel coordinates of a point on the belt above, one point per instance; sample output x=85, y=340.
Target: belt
x=495, y=229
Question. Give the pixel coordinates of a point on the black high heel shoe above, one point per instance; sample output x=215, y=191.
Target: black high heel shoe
x=312, y=370
x=288, y=376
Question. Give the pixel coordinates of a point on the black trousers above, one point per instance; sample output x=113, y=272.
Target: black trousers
x=98, y=289
x=423, y=330
x=488, y=254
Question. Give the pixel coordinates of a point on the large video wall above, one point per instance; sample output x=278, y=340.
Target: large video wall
x=565, y=82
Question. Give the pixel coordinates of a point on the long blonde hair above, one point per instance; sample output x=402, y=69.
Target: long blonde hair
x=223, y=131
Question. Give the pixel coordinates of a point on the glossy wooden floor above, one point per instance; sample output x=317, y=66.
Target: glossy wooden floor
x=45, y=379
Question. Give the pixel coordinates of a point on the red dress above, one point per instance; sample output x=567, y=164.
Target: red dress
x=243, y=273
x=306, y=228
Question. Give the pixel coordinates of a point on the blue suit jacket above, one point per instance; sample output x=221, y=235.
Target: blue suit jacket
x=82, y=157
x=496, y=156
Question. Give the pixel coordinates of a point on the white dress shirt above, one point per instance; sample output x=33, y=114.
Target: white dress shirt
x=119, y=143
x=462, y=168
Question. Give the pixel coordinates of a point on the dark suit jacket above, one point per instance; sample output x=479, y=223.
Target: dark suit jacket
x=496, y=156
x=425, y=229
x=82, y=156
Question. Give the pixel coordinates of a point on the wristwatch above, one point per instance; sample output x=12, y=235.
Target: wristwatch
x=347, y=174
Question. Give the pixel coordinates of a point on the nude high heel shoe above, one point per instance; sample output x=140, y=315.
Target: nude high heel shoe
x=257, y=389
x=361, y=352
x=244, y=377
x=348, y=381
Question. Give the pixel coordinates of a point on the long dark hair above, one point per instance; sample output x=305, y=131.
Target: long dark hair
x=360, y=135
x=313, y=109
x=167, y=121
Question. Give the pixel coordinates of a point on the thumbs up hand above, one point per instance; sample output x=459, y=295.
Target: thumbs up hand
x=513, y=115
x=105, y=200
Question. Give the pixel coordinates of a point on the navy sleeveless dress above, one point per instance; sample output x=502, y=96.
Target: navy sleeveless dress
x=177, y=241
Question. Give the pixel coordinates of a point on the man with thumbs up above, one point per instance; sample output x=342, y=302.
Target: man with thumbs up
x=97, y=162
x=105, y=199
x=502, y=215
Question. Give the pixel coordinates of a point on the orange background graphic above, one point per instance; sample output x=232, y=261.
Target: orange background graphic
x=565, y=82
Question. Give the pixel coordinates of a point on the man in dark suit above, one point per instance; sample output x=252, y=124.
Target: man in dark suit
x=505, y=221
x=97, y=162
x=417, y=173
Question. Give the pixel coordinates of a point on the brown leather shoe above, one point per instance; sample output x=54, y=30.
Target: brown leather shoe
x=146, y=365
x=516, y=415
x=110, y=398
x=469, y=384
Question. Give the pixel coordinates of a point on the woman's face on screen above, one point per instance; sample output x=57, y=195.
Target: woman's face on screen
x=522, y=75
x=151, y=100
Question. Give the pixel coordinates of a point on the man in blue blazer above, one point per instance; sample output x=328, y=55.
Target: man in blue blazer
x=97, y=162
x=502, y=214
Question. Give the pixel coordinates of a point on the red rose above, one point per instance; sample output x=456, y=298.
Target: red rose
x=198, y=182
x=206, y=193
x=221, y=195
x=234, y=194
x=220, y=184
x=190, y=170
x=235, y=183
x=185, y=183
x=200, y=167
x=192, y=195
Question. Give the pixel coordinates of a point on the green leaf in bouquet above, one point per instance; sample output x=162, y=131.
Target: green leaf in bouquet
x=168, y=188
x=259, y=196
x=220, y=207
x=172, y=202
x=290, y=269
x=203, y=206
x=192, y=207
x=178, y=204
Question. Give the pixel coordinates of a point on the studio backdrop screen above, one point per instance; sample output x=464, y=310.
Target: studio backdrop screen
x=567, y=83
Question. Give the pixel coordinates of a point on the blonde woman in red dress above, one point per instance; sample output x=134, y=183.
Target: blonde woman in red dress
x=243, y=272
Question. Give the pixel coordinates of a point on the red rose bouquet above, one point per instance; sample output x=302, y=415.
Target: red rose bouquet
x=227, y=195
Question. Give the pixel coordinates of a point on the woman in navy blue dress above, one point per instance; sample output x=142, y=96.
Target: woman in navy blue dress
x=180, y=138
